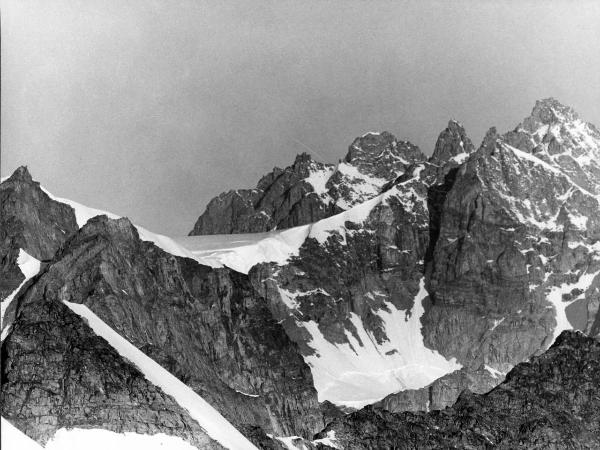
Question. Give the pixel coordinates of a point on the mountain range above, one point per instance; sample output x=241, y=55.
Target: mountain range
x=391, y=300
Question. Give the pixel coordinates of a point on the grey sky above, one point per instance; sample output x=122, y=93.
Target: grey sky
x=150, y=108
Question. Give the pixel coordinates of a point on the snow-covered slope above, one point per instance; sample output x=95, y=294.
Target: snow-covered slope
x=240, y=251
x=357, y=374
x=12, y=438
x=90, y=439
x=84, y=213
x=215, y=425
x=97, y=439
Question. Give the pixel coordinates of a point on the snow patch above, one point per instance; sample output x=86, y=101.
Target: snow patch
x=328, y=440
x=247, y=395
x=496, y=323
x=318, y=180
x=494, y=372
x=99, y=439
x=461, y=157
x=12, y=438
x=359, y=373
x=556, y=298
x=290, y=442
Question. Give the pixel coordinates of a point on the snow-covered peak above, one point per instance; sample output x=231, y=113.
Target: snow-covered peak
x=556, y=134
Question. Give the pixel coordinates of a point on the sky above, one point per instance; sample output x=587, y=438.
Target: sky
x=148, y=109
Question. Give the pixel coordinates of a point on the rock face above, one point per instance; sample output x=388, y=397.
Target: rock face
x=308, y=191
x=29, y=220
x=442, y=393
x=208, y=327
x=550, y=402
x=492, y=254
x=57, y=373
x=452, y=144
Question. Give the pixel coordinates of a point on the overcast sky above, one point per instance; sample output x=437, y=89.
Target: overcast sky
x=150, y=108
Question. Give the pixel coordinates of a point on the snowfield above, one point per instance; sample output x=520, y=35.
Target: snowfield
x=11, y=438
x=356, y=375
x=90, y=439
x=555, y=296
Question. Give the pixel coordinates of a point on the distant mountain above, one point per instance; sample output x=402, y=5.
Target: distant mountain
x=389, y=281
x=308, y=191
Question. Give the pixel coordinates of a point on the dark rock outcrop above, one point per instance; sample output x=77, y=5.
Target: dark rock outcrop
x=550, y=402
x=56, y=372
x=29, y=220
x=442, y=393
x=452, y=142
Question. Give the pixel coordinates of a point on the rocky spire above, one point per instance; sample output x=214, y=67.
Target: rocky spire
x=21, y=174
x=550, y=110
x=452, y=141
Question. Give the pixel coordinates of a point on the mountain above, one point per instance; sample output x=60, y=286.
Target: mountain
x=308, y=191
x=390, y=282
x=204, y=325
x=491, y=256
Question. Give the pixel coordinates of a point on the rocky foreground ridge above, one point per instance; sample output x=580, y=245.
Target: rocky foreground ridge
x=413, y=279
x=550, y=402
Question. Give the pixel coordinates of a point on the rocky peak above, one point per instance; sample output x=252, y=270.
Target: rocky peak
x=490, y=138
x=308, y=190
x=550, y=110
x=372, y=147
x=381, y=155
x=21, y=174
x=29, y=220
x=555, y=133
x=370, y=144
x=553, y=127
x=303, y=159
x=452, y=143
x=304, y=164
x=120, y=231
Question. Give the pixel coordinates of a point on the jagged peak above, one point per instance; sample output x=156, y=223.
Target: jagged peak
x=21, y=174
x=451, y=142
x=490, y=138
x=301, y=161
x=104, y=225
x=454, y=124
x=554, y=128
x=303, y=158
x=550, y=110
x=374, y=139
x=372, y=145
